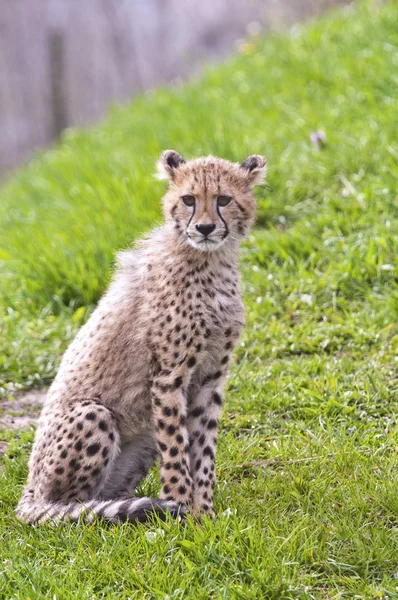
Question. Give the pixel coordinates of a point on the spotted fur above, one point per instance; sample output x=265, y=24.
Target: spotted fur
x=144, y=377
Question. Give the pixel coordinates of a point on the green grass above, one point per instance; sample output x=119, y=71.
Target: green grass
x=307, y=460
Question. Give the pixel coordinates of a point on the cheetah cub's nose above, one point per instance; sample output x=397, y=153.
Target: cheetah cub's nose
x=205, y=229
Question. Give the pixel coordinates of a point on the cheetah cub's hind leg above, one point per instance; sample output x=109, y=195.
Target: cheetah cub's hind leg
x=72, y=460
x=130, y=467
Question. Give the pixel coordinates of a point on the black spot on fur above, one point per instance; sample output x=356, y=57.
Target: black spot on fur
x=207, y=451
x=173, y=451
x=91, y=416
x=217, y=399
x=212, y=424
x=59, y=470
x=178, y=382
x=78, y=445
x=211, y=377
x=191, y=362
x=198, y=411
x=93, y=449
x=103, y=425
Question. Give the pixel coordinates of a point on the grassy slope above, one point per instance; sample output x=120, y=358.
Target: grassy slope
x=307, y=457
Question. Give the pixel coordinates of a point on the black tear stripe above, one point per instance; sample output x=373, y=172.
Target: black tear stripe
x=173, y=210
x=193, y=212
x=223, y=220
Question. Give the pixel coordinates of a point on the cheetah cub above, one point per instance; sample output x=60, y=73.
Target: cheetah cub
x=144, y=377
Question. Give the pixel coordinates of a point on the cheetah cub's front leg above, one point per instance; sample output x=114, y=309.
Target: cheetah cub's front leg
x=169, y=410
x=203, y=420
x=203, y=429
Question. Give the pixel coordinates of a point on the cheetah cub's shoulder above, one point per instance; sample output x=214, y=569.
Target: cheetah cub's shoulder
x=144, y=377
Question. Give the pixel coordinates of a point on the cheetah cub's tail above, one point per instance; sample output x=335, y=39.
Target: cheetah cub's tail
x=126, y=509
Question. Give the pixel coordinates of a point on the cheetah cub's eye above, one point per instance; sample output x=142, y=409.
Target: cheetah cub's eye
x=223, y=200
x=188, y=200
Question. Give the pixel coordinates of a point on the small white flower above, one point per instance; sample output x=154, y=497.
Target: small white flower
x=307, y=299
x=151, y=536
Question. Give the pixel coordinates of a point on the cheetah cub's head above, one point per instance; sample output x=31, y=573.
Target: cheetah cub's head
x=209, y=200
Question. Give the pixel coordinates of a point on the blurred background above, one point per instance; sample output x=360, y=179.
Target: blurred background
x=63, y=62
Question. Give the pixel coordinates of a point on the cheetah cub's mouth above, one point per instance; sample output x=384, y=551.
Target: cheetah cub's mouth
x=210, y=201
x=205, y=243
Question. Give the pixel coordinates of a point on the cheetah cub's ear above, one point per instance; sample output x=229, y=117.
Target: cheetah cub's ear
x=256, y=168
x=168, y=164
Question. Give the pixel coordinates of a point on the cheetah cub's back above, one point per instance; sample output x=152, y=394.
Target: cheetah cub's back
x=144, y=377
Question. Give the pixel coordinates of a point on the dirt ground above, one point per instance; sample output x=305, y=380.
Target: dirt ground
x=19, y=413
